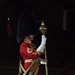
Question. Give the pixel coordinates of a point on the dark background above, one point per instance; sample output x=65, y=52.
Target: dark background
x=60, y=42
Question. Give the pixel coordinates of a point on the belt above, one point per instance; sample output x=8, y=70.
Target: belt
x=28, y=60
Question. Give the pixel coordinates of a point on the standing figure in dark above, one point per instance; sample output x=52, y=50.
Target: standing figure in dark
x=29, y=55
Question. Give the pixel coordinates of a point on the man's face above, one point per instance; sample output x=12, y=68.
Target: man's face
x=31, y=37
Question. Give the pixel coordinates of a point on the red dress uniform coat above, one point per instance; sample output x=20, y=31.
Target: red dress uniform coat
x=27, y=52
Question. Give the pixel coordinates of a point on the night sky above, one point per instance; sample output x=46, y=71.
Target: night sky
x=60, y=42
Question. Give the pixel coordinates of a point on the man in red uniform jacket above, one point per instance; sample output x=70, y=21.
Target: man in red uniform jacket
x=28, y=53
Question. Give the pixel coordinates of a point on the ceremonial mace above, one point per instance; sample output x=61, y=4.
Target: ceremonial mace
x=43, y=30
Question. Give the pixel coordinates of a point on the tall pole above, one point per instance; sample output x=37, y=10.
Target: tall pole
x=43, y=30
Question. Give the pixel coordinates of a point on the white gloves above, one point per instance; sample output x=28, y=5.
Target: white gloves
x=43, y=61
x=42, y=46
x=43, y=42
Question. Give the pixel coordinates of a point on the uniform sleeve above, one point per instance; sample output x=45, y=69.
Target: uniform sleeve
x=28, y=52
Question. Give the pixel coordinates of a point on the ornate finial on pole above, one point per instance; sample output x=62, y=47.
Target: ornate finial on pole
x=43, y=30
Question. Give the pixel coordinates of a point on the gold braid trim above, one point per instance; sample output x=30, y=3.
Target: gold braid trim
x=36, y=71
x=25, y=71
